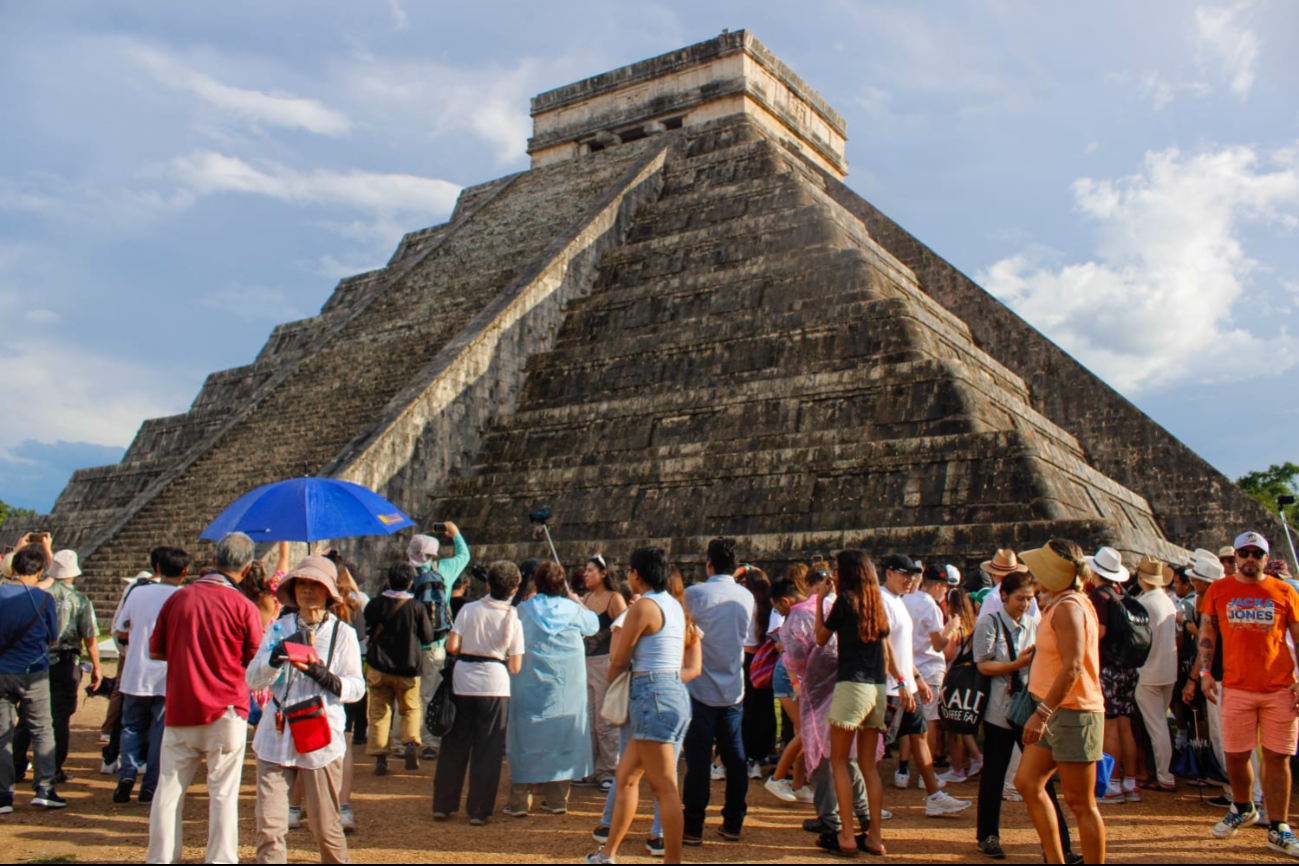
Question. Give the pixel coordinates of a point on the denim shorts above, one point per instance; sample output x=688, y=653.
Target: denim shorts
x=781, y=684
x=659, y=709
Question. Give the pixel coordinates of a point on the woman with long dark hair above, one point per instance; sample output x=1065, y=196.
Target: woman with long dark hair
x=603, y=600
x=857, y=713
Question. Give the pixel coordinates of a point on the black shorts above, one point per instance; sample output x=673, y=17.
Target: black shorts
x=902, y=724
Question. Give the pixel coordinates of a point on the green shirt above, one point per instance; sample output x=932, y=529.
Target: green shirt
x=76, y=620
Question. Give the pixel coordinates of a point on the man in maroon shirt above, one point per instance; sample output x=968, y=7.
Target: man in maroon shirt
x=207, y=633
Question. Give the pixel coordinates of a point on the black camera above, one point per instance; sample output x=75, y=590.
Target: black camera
x=540, y=516
x=479, y=572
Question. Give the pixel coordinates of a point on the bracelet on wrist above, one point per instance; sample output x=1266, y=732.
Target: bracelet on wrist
x=1206, y=673
x=1045, y=712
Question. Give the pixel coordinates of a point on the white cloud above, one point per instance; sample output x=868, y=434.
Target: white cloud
x=78, y=395
x=274, y=109
x=1226, y=43
x=399, y=19
x=42, y=317
x=207, y=172
x=490, y=103
x=1161, y=302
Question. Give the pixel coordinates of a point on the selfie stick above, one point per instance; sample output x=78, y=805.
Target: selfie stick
x=549, y=541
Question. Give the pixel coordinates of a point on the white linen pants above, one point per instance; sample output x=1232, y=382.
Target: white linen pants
x=1153, y=702
x=221, y=744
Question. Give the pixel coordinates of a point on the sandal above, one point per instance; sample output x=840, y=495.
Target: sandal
x=870, y=849
x=1158, y=786
x=830, y=843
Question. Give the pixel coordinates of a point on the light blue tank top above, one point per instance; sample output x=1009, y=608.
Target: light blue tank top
x=663, y=651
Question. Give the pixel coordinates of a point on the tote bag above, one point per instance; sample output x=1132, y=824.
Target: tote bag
x=617, y=699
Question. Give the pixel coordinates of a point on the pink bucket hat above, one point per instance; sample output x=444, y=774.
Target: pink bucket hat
x=316, y=568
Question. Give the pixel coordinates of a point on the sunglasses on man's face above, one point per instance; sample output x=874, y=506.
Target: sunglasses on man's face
x=1250, y=553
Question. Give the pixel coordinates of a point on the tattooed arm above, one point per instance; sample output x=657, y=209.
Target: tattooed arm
x=1208, y=642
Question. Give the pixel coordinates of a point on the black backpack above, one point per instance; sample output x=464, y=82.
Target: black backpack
x=1128, y=634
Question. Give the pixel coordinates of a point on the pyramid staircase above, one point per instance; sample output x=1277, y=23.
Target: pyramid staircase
x=751, y=363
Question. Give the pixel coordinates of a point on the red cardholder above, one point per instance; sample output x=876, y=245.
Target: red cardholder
x=301, y=653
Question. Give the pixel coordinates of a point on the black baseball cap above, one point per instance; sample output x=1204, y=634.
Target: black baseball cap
x=900, y=562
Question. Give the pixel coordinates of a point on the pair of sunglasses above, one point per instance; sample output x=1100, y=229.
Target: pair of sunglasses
x=1251, y=553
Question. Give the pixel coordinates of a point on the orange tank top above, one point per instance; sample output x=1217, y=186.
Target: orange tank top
x=1086, y=694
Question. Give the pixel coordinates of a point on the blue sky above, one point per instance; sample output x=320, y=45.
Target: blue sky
x=178, y=178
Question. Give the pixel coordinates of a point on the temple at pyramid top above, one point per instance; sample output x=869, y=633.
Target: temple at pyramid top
x=732, y=74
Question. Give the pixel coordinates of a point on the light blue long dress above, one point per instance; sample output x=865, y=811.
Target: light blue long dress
x=549, y=736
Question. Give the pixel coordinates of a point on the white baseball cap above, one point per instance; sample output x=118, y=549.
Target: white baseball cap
x=1108, y=563
x=1253, y=539
x=953, y=575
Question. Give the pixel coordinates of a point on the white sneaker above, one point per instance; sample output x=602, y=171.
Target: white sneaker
x=901, y=779
x=1230, y=825
x=755, y=770
x=780, y=789
x=952, y=777
x=944, y=803
x=109, y=769
x=1113, y=794
x=1281, y=839
x=1131, y=793
x=805, y=795
x=349, y=819
x=1010, y=795
x=975, y=768
x=295, y=817
x=719, y=773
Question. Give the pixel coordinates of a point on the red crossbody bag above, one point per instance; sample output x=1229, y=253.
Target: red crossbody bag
x=307, y=719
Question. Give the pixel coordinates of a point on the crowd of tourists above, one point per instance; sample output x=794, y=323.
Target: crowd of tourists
x=1051, y=677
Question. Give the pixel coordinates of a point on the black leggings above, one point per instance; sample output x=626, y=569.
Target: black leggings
x=998, y=747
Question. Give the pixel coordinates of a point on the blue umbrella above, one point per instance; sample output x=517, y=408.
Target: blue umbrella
x=308, y=509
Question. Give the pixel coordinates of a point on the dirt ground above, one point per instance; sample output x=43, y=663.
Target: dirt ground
x=396, y=826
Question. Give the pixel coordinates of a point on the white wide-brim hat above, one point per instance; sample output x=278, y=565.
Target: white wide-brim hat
x=1108, y=563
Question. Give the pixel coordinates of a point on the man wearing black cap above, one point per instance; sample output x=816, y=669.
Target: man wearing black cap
x=899, y=571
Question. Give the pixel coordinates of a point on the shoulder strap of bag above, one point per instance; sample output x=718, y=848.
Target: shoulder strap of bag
x=40, y=612
x=374, y=638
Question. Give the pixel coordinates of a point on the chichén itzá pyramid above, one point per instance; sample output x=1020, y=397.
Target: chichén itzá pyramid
x=678, y=323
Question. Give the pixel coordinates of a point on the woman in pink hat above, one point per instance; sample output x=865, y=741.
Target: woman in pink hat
x=310, y=660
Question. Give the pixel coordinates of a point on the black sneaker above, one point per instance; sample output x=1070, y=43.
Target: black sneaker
x=1071, y=859
x=381, y=765
x=430, y=753
x=730, y=835
x=61, y=777
x=1218, y=802
x=817, y=827
x=655, y=846
x=412, y=757
x=46, y=799
x=991, y=847
x=145, y=798
x=691, y=841
x=600, y=834
x=122, y=793
x=6, y=805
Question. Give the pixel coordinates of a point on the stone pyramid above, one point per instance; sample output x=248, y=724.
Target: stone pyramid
x=678, y=323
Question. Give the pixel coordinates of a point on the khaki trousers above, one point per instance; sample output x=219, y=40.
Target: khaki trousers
x=604, y=736
x=320, y=794
x=553, y=794
x=384, y=688
x=221, y=744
